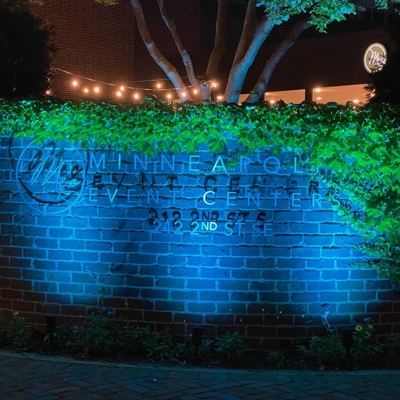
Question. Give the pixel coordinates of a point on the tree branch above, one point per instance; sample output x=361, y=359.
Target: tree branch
x=249, y=26
x=281, y=50
x=178, y=42
x=239, y=70
x=155, y=52
x=219, y=43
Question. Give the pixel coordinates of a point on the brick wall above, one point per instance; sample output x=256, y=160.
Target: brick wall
x=94, y=41
x=181, y=243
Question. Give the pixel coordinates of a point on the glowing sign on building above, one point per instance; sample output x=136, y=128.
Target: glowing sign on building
x=375, y=57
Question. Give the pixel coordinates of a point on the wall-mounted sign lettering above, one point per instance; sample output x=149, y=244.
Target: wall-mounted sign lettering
x=51, y=179
x=173, y=194
x=375, y=57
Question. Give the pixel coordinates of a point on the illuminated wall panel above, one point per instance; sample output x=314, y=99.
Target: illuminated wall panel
x=178, y=241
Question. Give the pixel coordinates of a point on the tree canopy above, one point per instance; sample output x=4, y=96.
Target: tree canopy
x=25, y=52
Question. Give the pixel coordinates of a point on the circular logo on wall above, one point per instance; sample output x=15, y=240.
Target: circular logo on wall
x=50, y=179
x=375, y=57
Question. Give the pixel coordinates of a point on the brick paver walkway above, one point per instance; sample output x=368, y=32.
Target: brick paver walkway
x=49, y=378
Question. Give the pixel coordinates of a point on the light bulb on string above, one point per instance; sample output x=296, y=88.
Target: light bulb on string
x=169, y=96
x=183, y=94
x=158, y=85
x=122, y=88
x=215, y=84
x=86, y=90
x=219, y=98
x=195, y=91
x=74, y=83
x=96, y=89
x=119, y=94
x=136, y=96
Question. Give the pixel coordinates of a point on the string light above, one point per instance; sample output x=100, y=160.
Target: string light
x=317, y=90
x=48, y=92
x=356, y=101
x=121, y=88
x=272, y=101
x=169, y=96
x=319, y=98
x=219, y=98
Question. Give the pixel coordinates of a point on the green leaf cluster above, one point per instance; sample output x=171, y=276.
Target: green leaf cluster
x=355, y=151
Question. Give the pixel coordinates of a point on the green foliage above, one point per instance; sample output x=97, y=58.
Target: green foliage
x=230, y=347
x=278, y=359
x=393, y=345
x=206, y=348
x=326, y=351
x=135, y=337
x=100, y=334
x=159, y=346
x=355, y=151
x=25, y=52
x=366, y=345
x=16, y=330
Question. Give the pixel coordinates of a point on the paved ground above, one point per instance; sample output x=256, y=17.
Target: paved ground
x=51, y=378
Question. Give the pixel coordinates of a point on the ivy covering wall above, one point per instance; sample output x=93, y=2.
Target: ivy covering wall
x=355, y=151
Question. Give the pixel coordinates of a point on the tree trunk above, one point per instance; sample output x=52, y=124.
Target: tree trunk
x=156, y=54
x=261, y=85
x=239, y=70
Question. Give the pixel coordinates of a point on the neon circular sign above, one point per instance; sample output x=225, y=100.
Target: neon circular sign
x=375, y=57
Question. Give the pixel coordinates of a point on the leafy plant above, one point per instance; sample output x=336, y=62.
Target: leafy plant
x=393, y=345
x=230, y=347
x=135, y=337
x=206, y=348
x=99, y=334
x=16, y=330
x=278, y=359
x=366, y=345
x=159, y=345
x=61, y=336
x=326, y=351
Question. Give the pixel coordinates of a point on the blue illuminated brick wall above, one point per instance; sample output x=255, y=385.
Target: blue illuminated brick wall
x=182, y=241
